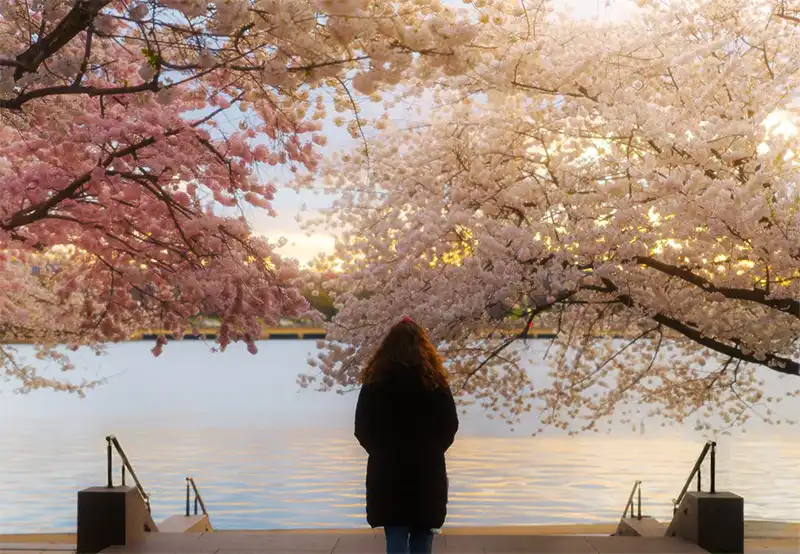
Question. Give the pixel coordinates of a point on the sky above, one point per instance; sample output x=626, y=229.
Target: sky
x=289, y=204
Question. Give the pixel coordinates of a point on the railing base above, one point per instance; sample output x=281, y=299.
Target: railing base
x=713, y=521
x=185, y=524
x=111, y=516
x=645, y=526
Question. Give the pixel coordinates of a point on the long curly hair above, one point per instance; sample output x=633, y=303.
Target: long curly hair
x=407, y=344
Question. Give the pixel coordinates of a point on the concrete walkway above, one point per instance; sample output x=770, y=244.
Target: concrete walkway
x=373, y=543
x=760, y=537
x=30, y=547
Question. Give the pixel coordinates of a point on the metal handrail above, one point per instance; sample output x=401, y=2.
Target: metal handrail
x=637, y=487
x=111, y=441
x=197, y=498
x=709, y=446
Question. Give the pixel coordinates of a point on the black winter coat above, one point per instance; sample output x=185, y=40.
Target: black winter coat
x=406, y=428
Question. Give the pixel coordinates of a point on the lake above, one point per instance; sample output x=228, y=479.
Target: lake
x=268, y=455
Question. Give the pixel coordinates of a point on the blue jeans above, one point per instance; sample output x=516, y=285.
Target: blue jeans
x=403, y=540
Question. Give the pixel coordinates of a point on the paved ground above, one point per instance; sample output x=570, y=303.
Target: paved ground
x=36, y=548
x=372, y=543
x=762, y=538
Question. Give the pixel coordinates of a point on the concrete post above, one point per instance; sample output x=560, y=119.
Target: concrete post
x=110, y=516
x=713, y=521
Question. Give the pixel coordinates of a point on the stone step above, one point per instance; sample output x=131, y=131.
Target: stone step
x=185, y=524
x=333, y=543
x=645, y=526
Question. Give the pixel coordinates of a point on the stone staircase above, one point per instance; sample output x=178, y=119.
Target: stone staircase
x=116, y=518
x=712, y=520
x=116, y=515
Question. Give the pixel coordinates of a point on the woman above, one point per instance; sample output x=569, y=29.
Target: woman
x=406, y=420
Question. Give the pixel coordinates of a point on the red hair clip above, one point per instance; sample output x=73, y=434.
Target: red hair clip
x=406, y=319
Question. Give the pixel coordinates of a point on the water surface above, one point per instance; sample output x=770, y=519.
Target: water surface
x=268, y=455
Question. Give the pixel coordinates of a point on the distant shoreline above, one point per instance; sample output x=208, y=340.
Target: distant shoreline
x=267, y=333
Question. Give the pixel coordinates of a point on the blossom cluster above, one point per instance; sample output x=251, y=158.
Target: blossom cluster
x=131, y=135
x=632, y=187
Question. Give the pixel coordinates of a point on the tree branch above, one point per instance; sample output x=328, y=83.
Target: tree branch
x=78, y=19
x=39, y=211
x=19, y=101
x=777, y=363
x=787, y=305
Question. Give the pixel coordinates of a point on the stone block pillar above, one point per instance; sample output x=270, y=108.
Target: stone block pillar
x=110, y=516
x=713, y=521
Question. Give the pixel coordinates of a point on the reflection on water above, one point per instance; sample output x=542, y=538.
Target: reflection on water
x=269, y=479
x=267, y=457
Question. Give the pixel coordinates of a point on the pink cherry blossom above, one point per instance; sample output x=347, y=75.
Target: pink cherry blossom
x=118, y=159
x=621, y=183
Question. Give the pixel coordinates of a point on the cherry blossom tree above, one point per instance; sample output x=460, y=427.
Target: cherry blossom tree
x=131, y=135
x=632, y=186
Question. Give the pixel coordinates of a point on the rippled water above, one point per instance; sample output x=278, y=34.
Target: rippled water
x=266, y=455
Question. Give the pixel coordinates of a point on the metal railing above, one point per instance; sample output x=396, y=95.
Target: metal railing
x=711, y=447
x=113, y=444
x=636, y=491
x=198, y=500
